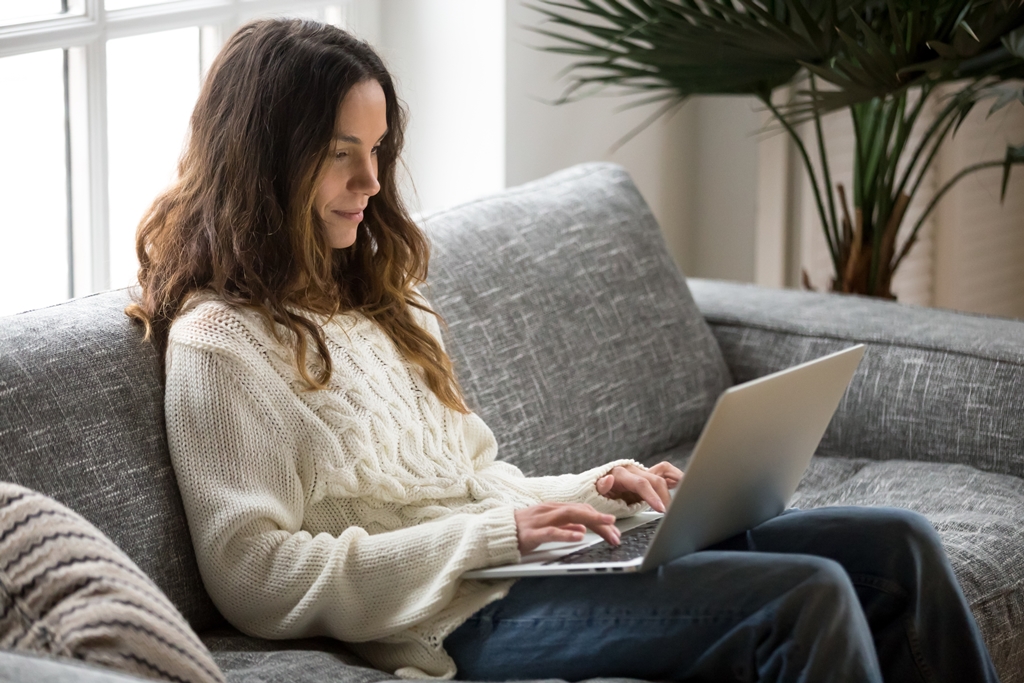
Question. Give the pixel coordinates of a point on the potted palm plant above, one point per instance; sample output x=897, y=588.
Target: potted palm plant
x=881, y=60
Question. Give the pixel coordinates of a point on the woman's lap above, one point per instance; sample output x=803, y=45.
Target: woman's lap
x=796, y=608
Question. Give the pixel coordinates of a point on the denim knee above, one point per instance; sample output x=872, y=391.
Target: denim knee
x=828, y=580
x=824, y=594
x=914, y=524
x=899, y=525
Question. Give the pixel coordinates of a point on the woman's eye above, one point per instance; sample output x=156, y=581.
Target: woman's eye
x=375, y=149
x=340, y=154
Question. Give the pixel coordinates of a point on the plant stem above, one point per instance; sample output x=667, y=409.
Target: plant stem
x=827, y=177
x=949, y=110
x=888, y=160
x=931, y=156
x=810, y=171
x=904, y=123
x=903, y=135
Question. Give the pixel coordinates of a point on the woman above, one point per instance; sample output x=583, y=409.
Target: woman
x=337, y=484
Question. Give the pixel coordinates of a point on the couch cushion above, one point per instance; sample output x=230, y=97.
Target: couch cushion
x=978, y=515
x=934, y=385
x=18, y=666
x=82, y=420
x=309, y=660
x=572, y=331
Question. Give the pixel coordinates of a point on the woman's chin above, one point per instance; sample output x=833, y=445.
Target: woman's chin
x=343, y=238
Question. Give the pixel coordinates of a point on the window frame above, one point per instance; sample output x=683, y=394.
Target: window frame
x=83, y=36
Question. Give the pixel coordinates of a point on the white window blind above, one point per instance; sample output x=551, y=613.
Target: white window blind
x=979, y=255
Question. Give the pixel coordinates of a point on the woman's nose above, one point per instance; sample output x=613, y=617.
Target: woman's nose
x=365, y=179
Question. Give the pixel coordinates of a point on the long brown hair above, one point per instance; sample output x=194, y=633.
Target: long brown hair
x=240, y=220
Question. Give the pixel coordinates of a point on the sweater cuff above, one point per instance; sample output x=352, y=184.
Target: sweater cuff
x=502, y=536
x=611, y=506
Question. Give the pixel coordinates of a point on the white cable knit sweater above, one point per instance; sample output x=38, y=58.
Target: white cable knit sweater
x=349, y=512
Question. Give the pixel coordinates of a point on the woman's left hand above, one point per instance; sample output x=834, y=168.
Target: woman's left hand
x=632, y=484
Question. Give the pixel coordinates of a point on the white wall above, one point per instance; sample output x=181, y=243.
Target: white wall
x=697, y=170
x=725, y=181
x=731, y=203
x=448, y=59
x=979, y=244
x=481, y=118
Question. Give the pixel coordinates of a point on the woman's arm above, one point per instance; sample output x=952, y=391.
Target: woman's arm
x=563, y=488
x=244, y=482
x=614, y=496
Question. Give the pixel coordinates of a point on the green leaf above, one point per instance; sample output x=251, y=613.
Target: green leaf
x=860, y=49
x=876, y=65
x=1014, y=42
x=897, y=31
x=967, y=27
x=1005, y=95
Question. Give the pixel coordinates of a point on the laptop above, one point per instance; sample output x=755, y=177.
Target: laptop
x=745, y=467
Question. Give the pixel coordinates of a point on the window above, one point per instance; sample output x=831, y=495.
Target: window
x=95, y=97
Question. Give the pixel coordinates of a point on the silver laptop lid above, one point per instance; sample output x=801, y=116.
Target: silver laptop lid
x=752, y=453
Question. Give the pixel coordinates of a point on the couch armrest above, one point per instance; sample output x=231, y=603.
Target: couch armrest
x=18, y=667
x=934, y=385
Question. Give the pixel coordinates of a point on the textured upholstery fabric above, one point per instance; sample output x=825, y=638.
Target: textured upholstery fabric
x=312, y=660
x=309, y=660
x=979, y=516
x=933, y=385
x=529, y=280
x=933, y=421
x=81, y=420
x=66, y=590
x=571, y=329
x=17, y=666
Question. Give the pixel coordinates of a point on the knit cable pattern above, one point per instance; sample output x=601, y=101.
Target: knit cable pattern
x=351, y=511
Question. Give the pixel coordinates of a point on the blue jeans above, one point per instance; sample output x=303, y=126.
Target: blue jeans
x=831, y=594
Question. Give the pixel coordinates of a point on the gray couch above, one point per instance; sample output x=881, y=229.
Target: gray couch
x=578, y=341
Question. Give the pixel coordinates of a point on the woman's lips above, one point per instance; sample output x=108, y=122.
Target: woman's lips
x=350, y=215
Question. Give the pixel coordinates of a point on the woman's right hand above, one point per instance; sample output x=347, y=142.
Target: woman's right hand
x=564, y=522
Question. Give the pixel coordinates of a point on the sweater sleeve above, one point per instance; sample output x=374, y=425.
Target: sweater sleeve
x=565, y=488
x=561, y=488
x=244, y=490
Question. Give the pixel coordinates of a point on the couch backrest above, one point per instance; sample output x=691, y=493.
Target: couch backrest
x=81, y=419
x=572, y=331
x=934, y=385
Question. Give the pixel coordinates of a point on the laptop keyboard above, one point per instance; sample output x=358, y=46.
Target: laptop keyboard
x=633, y=544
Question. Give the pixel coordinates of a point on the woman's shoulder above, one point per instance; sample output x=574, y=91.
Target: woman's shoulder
x=209, y=322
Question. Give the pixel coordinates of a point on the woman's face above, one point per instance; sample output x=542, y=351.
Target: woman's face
x=349, y=177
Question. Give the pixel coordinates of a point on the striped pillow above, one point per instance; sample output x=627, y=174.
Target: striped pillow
x=66, y=590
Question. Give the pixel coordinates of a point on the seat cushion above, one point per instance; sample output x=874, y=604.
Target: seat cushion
x=979, y=516
x=19, y=666
x=309, y=660
x=572, y=330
